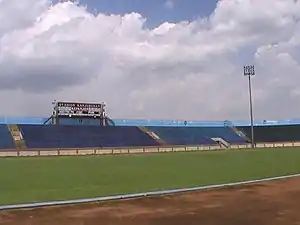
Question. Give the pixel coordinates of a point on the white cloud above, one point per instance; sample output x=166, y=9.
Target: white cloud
x=176, y=71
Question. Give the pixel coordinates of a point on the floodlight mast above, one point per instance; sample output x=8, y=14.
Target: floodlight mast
x=249, y=71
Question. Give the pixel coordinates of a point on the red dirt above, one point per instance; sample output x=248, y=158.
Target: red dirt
x=274, y=203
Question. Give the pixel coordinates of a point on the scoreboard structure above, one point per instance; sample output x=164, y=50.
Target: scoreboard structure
x=78, y=112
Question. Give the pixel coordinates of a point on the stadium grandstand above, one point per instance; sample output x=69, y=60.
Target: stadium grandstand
x=85, y=125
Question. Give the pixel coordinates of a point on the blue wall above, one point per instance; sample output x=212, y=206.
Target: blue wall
x=22, y=120
x=130, y=122
x=179, y=123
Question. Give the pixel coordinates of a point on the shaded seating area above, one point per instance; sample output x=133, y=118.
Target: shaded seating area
x=287, y=133
x=6, y=140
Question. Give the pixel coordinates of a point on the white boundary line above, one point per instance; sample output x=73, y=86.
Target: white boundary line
x=137, y=195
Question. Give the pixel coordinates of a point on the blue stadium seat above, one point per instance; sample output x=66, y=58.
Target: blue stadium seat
x=182, y=135
x=68, y=136
x=6, y=140
x=195, y=135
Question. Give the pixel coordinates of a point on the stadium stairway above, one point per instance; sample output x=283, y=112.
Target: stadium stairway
x=221, y=142
x=153, y=135
x=17, y=136
x=240, y=133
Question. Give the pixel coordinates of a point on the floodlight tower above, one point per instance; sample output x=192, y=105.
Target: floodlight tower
x=249, y=71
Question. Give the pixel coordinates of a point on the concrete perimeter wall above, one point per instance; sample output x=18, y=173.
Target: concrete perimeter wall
x=140, y=150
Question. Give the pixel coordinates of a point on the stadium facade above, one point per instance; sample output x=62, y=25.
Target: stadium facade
x=151, y=122
x=86, y=125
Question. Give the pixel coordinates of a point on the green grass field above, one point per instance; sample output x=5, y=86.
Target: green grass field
x=24, y=180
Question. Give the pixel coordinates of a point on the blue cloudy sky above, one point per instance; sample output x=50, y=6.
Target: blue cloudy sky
x=176, y=59
x=156, y=11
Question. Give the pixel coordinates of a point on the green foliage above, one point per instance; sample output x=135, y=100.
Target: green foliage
x=24, y=180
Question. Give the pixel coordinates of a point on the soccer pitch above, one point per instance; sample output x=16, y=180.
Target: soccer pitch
x=36, y=179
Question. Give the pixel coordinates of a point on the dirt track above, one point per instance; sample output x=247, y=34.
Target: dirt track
x=273, y=203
